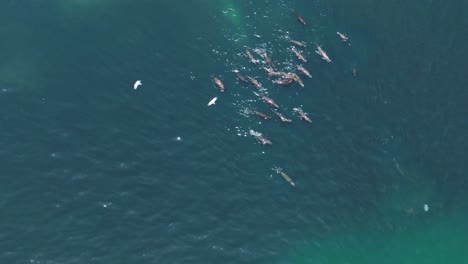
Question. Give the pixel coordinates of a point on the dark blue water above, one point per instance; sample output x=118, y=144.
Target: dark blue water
x=94, y=171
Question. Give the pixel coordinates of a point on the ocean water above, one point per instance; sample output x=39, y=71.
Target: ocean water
x=94, y=171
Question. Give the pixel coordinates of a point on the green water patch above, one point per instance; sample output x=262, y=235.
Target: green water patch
x=233, y=21
x=80, y=5
x=406, y=182
x=408, y=187
x=19, y=72
x=251, y=25
x=398, y=229
x=429, y=238
x=24, y=64
x=38, y=53
x=232, y=13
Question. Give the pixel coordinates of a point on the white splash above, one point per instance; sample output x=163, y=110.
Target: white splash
x=255, y=133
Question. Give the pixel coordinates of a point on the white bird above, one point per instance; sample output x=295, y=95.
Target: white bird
x=137, y=83
x=426, y=207
x=213, y=101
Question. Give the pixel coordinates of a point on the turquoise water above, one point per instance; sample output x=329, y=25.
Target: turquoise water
x=93, y=171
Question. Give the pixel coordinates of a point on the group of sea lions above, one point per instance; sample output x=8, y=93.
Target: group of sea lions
x=281, y=78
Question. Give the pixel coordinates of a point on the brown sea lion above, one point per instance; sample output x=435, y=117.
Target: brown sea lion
x=299, y=17
x=218, y=82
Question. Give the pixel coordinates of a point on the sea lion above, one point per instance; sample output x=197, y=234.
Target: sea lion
x=240, y=76
x=299, y=17
x=398, y=168
x=298, y=79
x=322, y=53
x=264, y=141
x=262, y=115
x=254, y=82
x=287, y=75
x=298, y=43
x=218, y=82
x=283, y=82
x=250, y=56
x=285, y=176
x=268, y=60
x=260, y=138
x=355, y=71
x=282, y=118
x=271, y=72
x=303, y=71
x=302, y=115
x=343, y=37
x=269, y=100
x=299, y=55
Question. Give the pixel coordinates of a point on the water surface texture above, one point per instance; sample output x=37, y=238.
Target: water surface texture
x=93, y=171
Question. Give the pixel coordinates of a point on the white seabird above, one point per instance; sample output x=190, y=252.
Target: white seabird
x=136, y=84
x=213, y=101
